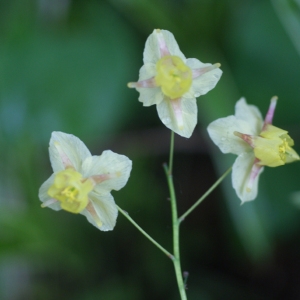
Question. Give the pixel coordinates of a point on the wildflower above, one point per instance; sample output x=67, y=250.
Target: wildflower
x=173, y=82
x=256, y=142
x=82, y=183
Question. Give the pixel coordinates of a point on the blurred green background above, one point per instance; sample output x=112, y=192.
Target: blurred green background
x=64, y=66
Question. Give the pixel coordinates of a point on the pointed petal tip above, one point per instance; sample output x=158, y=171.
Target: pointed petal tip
x=274, y=98
x=48, y=203
x=238, y=134
x=131, y=85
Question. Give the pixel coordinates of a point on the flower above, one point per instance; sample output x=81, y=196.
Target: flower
x=81, y=183
x=256, y=142
x=172, y=82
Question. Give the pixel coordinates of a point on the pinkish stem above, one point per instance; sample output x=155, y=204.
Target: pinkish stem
x=147, y=83
x=270, y=113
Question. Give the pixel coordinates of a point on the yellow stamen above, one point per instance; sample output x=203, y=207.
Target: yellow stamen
x=274, y=147
x=173, y=76
x=70, y=190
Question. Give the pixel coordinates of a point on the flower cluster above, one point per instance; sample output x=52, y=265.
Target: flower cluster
x=81, y=183
x=256, y=142
x=172, y=82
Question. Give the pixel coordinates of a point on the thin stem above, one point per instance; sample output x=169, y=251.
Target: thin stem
x=204, y=196
x=126, y=215
x=171, y=153
x=175, y=223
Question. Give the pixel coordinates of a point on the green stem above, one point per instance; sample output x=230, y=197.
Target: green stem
x=175, y=222
x=204, y=196
x=171, y=153
x=126, y=215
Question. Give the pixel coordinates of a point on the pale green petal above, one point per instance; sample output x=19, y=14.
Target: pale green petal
x=205, y=82
x=222, y=131
x=43, y=193
x=147, y=71
x=179, y=115
x=150, y=96
x=106, y=210
x=241, y=172
x=291, y=156
x=195, y=63
x=114, y=166
x=152, y=52
x=249, y=114
x=172, y=44
x=68, y=147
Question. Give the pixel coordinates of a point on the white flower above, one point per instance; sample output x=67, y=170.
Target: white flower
x=173, y=82
x=82, y=183
x=256, y=142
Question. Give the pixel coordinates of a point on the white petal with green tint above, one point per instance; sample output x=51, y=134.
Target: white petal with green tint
x=222, y=131
x=179, y=115
x=249, y=114
x=66, y=148
x=172, y=44
x=147, y=71
x=205, y=82
x=111, y=169
x=150, y=96
x=152, y=51
x=106, y=211
x=44, y=196
x=241, y=173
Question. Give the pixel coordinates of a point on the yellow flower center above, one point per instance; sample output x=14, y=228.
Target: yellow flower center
x=173, y=76
x=273, y=147
x=285, y=146
x=70, y=189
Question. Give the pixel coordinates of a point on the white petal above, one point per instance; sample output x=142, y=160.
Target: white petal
x=172, y=44
x=221, y=132
x=117, y=168
x=43, y=193
x=179, y=115
x=205, y=82
x=67, y=147
x=195, y=63
x=147, y=71
x=152, y=51
x=241, y=172
x=106, y=210
x=249, y=114
x=149, y=95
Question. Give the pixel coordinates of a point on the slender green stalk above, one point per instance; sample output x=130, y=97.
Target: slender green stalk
x=126, y=215
x=204, y=196
x=175, y=222
x=171, y=153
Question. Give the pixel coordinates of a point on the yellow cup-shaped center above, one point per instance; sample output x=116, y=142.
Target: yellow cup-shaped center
x=173, y=76
x=70, y=190
x=274, y=147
